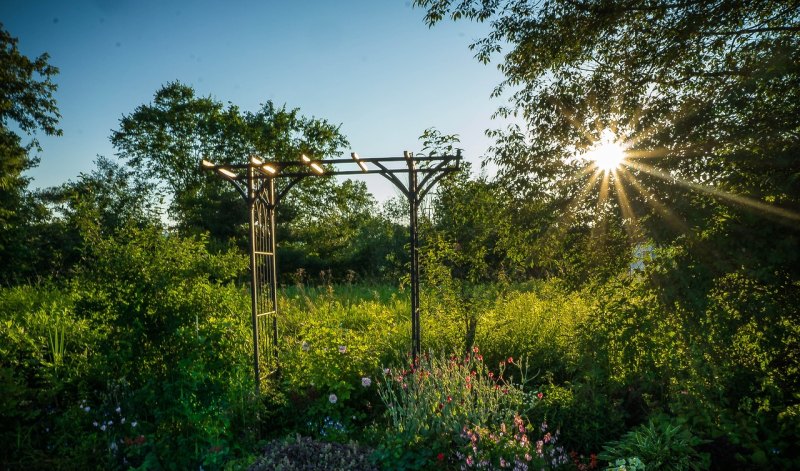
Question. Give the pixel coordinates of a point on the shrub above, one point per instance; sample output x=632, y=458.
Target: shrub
x=583, y=411
x=543, y=325
x=661, y=444
x=306, y=454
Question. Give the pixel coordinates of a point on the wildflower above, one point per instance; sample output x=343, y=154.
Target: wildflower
x=475, y=350
x=540, y=395
x=366, y=382
x=502, y=462
x=122, y=420
x=440, y=457
x=528, y=457
x=519, y=423
x=511, y=360
x=332, y=398
x=547, y=437
x=133, y=424
x=94, y=423
x=491, y=375
x=469, y=460
x=110, y=422
x=387, y=371
x=118, y=409
x=305, y=346
x=87, y=409
x=113, y=446
x=449, y=398
x=103, y=427
x=342, y=348
x=544, y=426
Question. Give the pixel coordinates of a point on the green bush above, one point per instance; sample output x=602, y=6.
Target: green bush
x=542, y=325
x=175, y=353
x=662, y=443
x=583, y=411
x=141, y=360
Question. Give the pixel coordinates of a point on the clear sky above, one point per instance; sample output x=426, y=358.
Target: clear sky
x=371, y=65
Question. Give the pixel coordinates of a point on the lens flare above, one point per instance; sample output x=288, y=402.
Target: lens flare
x=607, y=154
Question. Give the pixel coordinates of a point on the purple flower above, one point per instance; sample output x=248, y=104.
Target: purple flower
x=366, y=382
x=342, y=349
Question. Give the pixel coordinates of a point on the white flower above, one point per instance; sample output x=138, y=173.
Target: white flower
x=342, y=348
x=87, y=409
x=387, y=371
x=332, y=398
x=94, y=423
x=103, y=427
x=133, y=424
x=118, y=409
x=110, y=422
x=305, y=346
x=366, y=382
x=122, y=420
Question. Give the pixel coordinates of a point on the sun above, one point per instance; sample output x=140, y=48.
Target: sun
x=607, y=154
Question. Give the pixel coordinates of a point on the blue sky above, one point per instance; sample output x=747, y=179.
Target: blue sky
x=372, y=66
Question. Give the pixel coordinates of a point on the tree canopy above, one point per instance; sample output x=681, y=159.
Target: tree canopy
x=703, y=94
x=27, y=106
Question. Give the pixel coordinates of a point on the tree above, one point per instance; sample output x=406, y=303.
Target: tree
x=166, y=139
x=318, y=222
x=703, y=93
x=27, y=104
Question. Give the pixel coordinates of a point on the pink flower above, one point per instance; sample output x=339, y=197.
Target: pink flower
x=469, y=460
x=440, y=457
x=540, y=395
x=511, y=359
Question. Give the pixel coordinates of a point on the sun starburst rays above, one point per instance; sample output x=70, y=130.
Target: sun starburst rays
x=624, y=159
